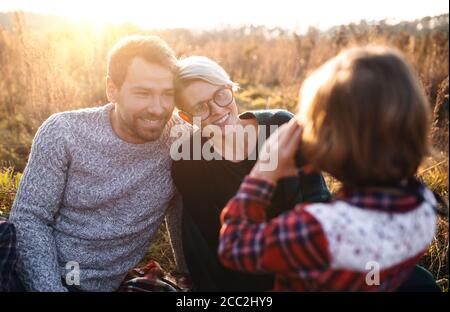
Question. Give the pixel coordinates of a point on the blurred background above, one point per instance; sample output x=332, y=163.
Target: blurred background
x=53, y=58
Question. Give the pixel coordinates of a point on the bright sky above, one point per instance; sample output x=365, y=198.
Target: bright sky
x=297, y=14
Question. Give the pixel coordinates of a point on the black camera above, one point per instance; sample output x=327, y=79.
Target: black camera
x=299, y=159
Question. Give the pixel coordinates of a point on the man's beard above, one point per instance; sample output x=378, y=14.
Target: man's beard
x=145, y=131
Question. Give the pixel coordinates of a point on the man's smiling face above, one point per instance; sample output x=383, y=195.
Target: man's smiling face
x=144, y=102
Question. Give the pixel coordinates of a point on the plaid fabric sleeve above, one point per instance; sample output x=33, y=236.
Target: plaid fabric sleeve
x=8, y=254
x=292, y=241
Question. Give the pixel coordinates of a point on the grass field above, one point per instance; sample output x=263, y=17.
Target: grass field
x=56, y=66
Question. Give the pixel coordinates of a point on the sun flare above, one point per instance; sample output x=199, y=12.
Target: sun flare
x=208, y=14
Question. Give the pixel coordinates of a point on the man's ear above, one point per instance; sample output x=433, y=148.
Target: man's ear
x=184, y=117
x=111, y=90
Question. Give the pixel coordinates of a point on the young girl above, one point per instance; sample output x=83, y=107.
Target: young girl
x=363, y=118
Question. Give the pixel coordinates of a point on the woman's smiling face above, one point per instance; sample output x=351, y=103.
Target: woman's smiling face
x=197, y=93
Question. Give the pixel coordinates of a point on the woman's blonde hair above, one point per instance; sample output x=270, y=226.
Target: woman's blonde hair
x=194, y=68
x=366, y=117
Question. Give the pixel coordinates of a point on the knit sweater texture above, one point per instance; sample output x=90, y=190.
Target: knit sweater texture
x=88, y=199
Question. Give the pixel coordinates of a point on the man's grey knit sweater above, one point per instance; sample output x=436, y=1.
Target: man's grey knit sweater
x=90, y=197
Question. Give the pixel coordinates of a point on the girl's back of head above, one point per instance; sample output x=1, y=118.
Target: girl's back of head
x=366, y=117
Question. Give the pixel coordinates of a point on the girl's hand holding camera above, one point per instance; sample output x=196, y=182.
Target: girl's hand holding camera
x=284, y=143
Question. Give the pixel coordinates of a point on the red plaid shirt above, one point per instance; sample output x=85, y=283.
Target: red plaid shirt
x=362, y=240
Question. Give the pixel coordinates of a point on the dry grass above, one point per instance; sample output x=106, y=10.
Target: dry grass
x=9, y=183
x=435, y=176
x=63, y=67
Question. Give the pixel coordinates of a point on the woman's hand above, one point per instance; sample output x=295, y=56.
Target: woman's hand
x=277, y=156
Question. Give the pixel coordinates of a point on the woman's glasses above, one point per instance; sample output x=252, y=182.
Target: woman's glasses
x=222, y=97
